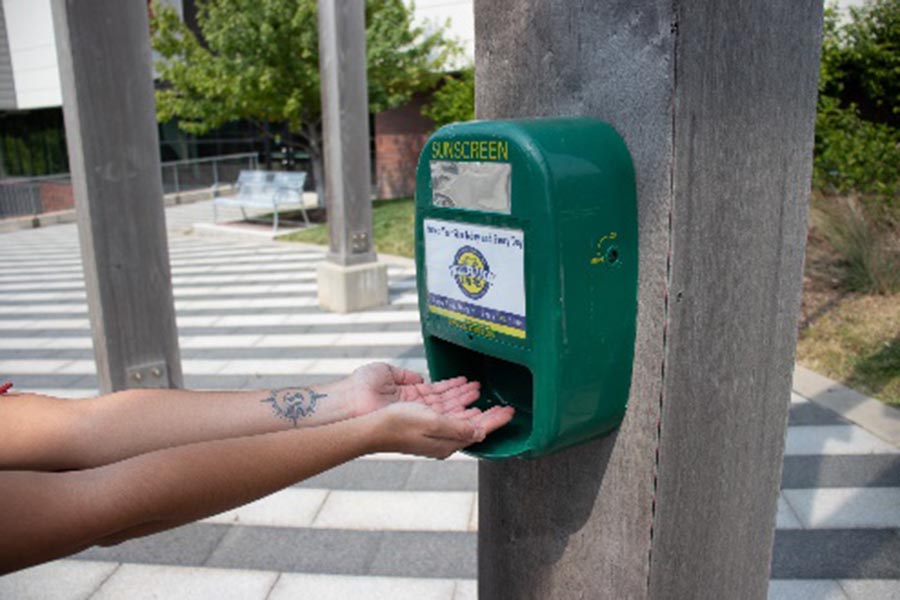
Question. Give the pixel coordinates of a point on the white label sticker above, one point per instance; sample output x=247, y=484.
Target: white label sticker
x=480, y=186
x=476, y=275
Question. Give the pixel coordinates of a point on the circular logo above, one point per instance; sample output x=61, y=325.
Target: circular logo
x=471, y=272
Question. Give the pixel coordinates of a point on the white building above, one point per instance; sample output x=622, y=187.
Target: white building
x=457, y=16
x=29, y=73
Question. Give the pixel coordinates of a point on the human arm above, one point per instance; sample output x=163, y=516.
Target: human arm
x=43, y=433
x=49, y=515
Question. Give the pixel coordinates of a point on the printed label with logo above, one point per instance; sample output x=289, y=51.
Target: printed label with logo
x=476, y=275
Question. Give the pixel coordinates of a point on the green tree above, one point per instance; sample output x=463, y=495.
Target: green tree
x=454, y=100
x=258, y=60
x=858, y=114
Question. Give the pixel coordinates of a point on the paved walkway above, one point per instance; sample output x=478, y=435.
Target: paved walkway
x=385, y=526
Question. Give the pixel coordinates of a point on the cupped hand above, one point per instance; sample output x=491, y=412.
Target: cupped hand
x=415, y=428
x=377, y=385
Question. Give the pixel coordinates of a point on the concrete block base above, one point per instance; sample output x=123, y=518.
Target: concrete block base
x=357, y=287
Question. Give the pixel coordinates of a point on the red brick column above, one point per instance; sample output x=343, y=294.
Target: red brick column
x=56, y=196
x=400, y=134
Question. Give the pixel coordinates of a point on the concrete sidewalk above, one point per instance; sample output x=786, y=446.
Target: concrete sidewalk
x=385, y=526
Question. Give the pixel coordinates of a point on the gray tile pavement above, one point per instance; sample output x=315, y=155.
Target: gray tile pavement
x=854, y=471
x=415, y=554
x=300, y=550
x=836, y=554
x=458, y=476
x=809, y=413
x=190, y=545
x=368, y=475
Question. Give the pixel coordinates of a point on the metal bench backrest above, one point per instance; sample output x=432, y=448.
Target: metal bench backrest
x=256, y=185
x=293, y=181
x=253, y=177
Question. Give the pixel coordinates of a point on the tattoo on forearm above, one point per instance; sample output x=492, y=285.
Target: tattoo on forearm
x=294, y=404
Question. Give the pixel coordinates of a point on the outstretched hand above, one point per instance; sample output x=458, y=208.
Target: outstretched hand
x=429, y=419
x=414, y=428
x=377, y=385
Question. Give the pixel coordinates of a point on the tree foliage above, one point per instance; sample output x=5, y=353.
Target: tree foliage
x=858, y=116
x=258, y=60
x=454, y=100
x=867, y=57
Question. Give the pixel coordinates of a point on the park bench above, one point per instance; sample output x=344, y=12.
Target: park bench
x=265, y=189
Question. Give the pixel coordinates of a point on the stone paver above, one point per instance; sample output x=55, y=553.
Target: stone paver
x=405, y=510
x=834, y=439
x=57, y=580
x=321, y=587
x=290, y=507
x=150, y=582
x=846, y=508
x=806, y=590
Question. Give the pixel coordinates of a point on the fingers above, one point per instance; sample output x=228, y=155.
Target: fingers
x=405, y=376
x=439, y=387
x=419, y=389
x=459, y=395
x=417, y=428
x=483, y=422
x=494, y=418
x=455, y=400
x=465, y=413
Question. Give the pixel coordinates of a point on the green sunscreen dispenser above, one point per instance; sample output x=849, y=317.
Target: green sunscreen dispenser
x=527, y=265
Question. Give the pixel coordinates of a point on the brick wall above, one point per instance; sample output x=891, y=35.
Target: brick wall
x=400, y=134
x=56, y=196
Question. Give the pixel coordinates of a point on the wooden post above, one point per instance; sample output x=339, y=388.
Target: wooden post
x=107, y=84
x=716, y=102
x=350, y=279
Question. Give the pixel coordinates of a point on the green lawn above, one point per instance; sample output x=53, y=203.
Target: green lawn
x=857, y=341
x=392, y=224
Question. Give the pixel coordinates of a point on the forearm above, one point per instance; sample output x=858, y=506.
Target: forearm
x=139, y=421
x=165, y=488
x=190, y=482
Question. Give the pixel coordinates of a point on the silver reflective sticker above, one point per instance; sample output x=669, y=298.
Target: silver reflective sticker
x=471, y=185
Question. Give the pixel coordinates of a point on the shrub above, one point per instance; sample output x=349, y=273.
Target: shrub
x=869, y=252
x=854, y=154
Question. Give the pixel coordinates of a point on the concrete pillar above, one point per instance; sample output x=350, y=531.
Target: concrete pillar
x=105, y=66
x=716, y=101
x=351, y=278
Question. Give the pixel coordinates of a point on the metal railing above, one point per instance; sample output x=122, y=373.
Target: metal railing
x=198, y=173
x=35, y=195
x=27, y=195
